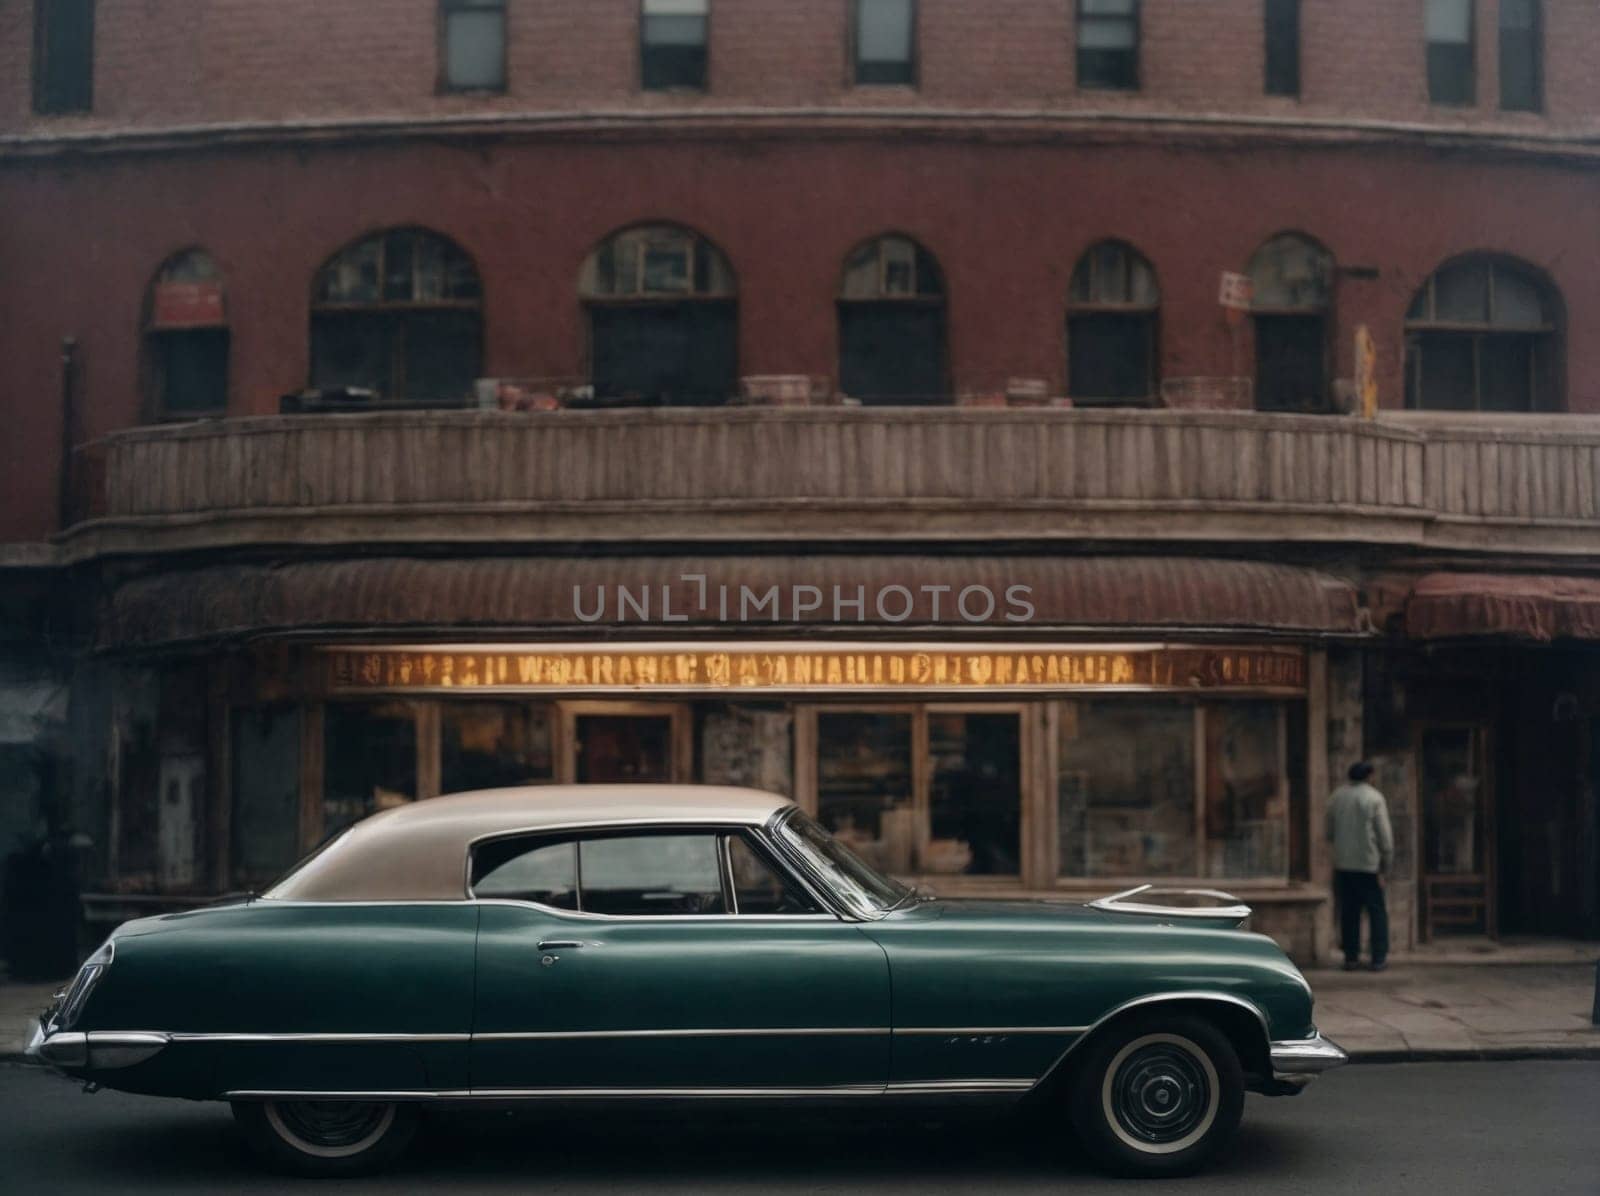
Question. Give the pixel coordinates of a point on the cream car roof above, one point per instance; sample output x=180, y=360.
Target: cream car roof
x=418, y=851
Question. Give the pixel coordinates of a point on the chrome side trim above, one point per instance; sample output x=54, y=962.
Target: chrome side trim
x=206, y=1036
x=1159, y=999
x=973, y=1030
x=764, y=1032
x=1305, y=1057
x=111, y=1050
x=980, y=1087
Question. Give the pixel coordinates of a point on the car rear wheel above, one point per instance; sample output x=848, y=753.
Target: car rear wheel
x=327, y=1138
x=1158, y=1095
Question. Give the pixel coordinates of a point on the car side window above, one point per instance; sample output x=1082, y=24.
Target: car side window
x=759, y=888
x=632, y=875
x=525, y=870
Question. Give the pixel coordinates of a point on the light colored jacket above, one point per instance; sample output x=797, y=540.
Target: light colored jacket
x=1358, y=828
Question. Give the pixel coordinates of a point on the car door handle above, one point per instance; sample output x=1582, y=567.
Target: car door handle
x=559, y=945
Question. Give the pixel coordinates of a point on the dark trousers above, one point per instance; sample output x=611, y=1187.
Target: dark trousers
x=1359, y=891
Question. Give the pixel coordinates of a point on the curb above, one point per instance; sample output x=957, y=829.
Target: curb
x=1488, y=1054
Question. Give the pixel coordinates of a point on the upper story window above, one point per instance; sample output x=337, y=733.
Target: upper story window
x=63, y=56
x=1282, y=76
x=472, y=45
x=663, y=318
x=672, y=44
x=400, y=314
x=1452, y=52
x=1484, y=334
x=1521, y=55
x=1293, y=288
x=1108, y=44
x=886, y=41
x=186, y=339
x=892, y=324
x=1112, y=312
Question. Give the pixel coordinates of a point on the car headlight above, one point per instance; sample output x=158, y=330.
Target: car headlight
x=88, y=976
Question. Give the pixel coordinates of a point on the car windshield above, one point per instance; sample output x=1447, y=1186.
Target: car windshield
x=861, y=886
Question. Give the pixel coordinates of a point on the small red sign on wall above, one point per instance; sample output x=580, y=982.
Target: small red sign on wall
x=1236, y=292
x=188, y=305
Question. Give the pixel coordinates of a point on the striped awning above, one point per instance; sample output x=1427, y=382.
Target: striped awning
x=1536, y=607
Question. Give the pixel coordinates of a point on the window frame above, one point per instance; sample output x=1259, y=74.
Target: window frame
x=443, y=84
x=1470, y=99
x=1275, y=18
x=701, y=88
x=1322, y=311
x=1080, y=309
x=45, y=53
x=1136, y=53
x=577, y=833
x=154, y=339
x=853, y=42
x=1549, y=335
x=1536, y=100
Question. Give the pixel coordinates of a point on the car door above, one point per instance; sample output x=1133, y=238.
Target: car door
x=668, y=960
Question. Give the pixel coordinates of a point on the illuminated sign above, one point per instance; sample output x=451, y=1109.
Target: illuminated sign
x=806, y=668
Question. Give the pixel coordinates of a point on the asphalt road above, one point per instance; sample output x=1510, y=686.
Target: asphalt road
x=1434, y=1128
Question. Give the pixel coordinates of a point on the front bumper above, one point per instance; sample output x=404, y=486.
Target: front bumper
x=1296, y=1062
x=74, y=1052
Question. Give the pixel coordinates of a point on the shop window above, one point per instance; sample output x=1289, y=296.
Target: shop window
x=1292, y=277
x=264, y=828
x=924, y=790
x=634, y=875
x=1152, y=789
x=892, y=324
x=864, y=785
x=1452, y=74
x=398, y=314
x=1521, y=56
x=369, y=761
x=1282, y=47
x=186, y=339
x=974, y=794
x=1108, y=44
x=886, y=42
x=494, y=745
x=672, y=44
x=473, y=45
x=1111, y=327
x=1484, y=334
x=1246, y=790
x=1126, y=800
x=63, y=56
x=663, y=319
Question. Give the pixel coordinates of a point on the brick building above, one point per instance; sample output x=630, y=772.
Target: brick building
x=354, y=357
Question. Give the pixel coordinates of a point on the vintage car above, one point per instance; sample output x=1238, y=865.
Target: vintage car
x=678, y=943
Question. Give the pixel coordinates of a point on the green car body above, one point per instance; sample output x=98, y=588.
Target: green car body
x=338, y=985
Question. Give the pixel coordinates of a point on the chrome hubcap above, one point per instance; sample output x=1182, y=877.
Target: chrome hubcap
x=1160, y=1093
x=331, y=1128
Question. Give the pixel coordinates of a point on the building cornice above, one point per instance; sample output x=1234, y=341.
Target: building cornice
x=1006, y=125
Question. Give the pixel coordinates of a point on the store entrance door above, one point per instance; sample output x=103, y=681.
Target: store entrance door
x=616, y=743
x=1458, y=890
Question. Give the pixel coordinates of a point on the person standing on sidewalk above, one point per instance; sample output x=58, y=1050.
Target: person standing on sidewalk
x=1363, y=849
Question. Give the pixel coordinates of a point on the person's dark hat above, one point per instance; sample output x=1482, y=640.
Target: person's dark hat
x=1360, y=770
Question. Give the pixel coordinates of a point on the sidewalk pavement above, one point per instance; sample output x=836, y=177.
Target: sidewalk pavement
x=1410, y=1012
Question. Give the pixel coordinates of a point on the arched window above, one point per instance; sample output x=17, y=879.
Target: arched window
x=892, y=324
x=399, y=313
x=1484, y=334
x=663, y=318
x=1293, y=288
x=186, y=339
x=1112, y=308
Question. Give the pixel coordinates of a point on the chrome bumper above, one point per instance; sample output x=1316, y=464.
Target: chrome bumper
x=1298, y=1061
x=73, y=1051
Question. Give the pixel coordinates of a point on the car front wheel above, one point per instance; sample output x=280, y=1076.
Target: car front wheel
x=327, y=1138
x=1158, y=1095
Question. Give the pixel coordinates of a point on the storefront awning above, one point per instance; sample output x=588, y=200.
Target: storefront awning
x=669, y=595
x=1516, y=606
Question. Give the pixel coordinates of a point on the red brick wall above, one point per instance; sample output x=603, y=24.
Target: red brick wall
x=164, y=62
x=1007, y=222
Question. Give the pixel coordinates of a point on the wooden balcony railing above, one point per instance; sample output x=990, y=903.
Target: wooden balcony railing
x=863, y=473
